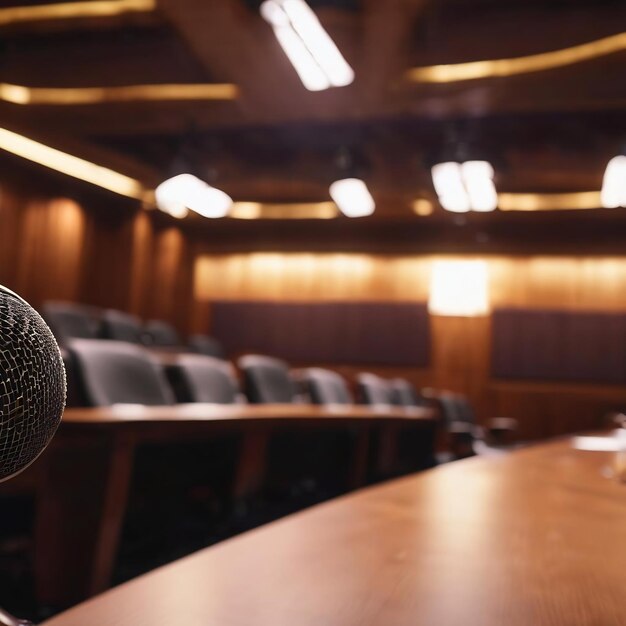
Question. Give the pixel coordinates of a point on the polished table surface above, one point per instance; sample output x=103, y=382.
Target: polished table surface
x=534, y=538
x=201, y=412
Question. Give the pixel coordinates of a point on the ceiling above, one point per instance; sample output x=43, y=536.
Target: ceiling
x=549, y=131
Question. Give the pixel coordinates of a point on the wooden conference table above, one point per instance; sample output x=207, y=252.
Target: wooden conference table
x=534, y=538
x=86, y=473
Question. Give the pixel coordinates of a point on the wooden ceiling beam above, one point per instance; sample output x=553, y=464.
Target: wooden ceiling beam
x=236, y=44
x=386, y=45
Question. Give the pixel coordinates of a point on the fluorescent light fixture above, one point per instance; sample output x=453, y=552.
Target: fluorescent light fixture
x=318, y=41
x=459, y=288
x=462, y=187
x=478, y=179
x=187, y=192
x=448, y=183
x=314, y=55
x=614, y=184
x=70, y=165
x=352, y=197
x=310, y=73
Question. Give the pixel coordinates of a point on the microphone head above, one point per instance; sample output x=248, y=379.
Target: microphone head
x=32, y=384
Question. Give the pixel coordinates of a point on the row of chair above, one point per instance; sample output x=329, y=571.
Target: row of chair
x=119, y=370
x=110, y=372
x=76, y=321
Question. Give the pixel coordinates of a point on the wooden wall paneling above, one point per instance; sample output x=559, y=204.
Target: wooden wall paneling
x=141, y=262
x=460, y=346
x=107, y=280
x=309, y=276
x=461, y=356
x=50, y=255
x=576, y=283
x=373, y=333
x=10, y=204
x=550, y=409
x=170, y=288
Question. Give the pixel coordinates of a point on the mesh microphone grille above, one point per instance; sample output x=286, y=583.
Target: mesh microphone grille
x=32, y=385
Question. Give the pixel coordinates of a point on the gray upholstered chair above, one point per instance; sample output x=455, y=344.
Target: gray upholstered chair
x=199, y=378
x=404, y=393
x=465, y=436
x=117, y=372
x=121, y=326
x=160, y=334
x=325, y=386
x=373, y=390
x=70, y=321
x=267, y=380
x=209, y=346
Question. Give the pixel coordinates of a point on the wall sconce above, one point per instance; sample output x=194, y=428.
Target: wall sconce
x=459, y=288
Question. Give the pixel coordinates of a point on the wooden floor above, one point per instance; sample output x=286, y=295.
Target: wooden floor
x=536, y=538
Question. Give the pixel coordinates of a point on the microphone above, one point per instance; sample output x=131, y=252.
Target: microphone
x=32, y=391
x=32, y=384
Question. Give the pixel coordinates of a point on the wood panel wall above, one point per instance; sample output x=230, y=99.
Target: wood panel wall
x=460, y=357
x=113, y=254
x=54, y=248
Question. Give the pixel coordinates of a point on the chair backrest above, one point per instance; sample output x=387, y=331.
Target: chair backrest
x=113, y=372
x=121, y=326
x=160, y=333
x=373, y=390
x=199, y=378
x=70, y=321
x=403, y=393
x=267, y=380
x=326, y=387
x=209, y=346
x=454, y=407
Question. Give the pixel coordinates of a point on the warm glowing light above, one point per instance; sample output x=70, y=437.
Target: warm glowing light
x=614, y=183
x=283, y=211
x=352, y=197
x=448, y=183
x=459, y=288
x=549, y=201
x=186, y=191
x=18, y=94
x=70, y=165
x=71, y=10
x=462, y=187
x=310, y=73
x=313, y=54
x=422, y=207
x=317, y=40
x=519, y=65
x=478, y=179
